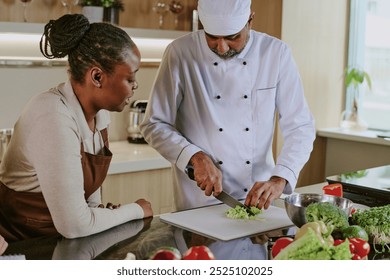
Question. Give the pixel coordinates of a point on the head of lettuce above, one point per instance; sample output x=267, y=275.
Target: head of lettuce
x=310, y=247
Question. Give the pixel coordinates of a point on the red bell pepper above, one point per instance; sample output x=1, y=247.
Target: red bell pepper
x=280, y=244
x=333, y=189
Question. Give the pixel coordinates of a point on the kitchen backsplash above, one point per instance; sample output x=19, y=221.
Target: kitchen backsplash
x=18, y=85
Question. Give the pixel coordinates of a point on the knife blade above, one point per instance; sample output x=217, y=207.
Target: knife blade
x=223, y=196
x=232, y=202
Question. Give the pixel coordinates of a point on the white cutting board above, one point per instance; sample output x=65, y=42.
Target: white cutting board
x=211, y=221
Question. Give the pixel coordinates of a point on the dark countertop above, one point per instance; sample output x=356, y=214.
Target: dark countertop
x=141, y=238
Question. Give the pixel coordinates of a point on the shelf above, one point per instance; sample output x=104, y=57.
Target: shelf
x=36, y=62
x=37, y=28
x=19, y=45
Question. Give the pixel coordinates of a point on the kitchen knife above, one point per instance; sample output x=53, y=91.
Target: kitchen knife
x=223, y=196
x=232, y=202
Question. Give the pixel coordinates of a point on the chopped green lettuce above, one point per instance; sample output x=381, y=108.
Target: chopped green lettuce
x=240, y=213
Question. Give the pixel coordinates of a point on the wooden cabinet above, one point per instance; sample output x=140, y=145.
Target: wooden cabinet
x=155, y=186
x=343, y=156
x=140, y=14
x=136, y=14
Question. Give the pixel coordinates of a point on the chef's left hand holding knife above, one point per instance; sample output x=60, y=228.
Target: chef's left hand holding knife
x=207, y=176
x=263, y=193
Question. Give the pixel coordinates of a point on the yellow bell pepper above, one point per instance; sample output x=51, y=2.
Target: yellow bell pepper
x=319, y=228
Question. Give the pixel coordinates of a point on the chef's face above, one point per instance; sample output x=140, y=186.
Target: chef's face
x=231, y=45
x=122, y=83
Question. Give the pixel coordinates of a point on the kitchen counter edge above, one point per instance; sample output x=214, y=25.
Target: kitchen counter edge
x=364, y=136
x=128, y=157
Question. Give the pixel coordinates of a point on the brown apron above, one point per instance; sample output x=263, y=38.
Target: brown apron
x=25, y=215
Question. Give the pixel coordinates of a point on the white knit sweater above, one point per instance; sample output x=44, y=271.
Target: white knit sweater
x=44, y=156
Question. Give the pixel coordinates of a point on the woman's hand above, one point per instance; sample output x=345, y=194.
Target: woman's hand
x=207, y=176
x=3, y=245
x=263, y=193
x=146, y=206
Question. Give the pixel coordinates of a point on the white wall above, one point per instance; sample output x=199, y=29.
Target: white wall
x=317, y=32
x=18, y=85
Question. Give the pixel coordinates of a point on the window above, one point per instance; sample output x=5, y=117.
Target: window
x=369, y=49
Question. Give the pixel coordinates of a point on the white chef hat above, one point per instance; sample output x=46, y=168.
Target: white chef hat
x=223, y=17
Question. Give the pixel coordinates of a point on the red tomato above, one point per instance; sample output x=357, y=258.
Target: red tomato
x=198, y=253
x=362, y=248
x=279, y=245
x=333, y=189
x=351, y=245
x=338, y=242
x=166, y=253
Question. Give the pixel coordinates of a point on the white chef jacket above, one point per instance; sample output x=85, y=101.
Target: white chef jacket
x=226, y=108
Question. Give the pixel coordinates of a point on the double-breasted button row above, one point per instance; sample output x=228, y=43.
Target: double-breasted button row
x=245, y=96
x=220, y=162
x=243, y=63
x=221, y=129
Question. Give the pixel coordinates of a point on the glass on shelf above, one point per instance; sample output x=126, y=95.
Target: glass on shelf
x=69, y=4
x=25, y=4
x=160, y=8
x=176, y=8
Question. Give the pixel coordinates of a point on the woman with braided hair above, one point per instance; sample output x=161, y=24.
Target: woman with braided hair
x=58, y=157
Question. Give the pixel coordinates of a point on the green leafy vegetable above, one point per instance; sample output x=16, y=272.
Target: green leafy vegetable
x=310, y=247
x=241, y=213
x=376, y=222
x=355, y=174
x=331, y=215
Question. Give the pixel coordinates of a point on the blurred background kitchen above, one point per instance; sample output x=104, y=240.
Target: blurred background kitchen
x=326, y=36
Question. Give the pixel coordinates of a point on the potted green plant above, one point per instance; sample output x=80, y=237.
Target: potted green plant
x=112, y=8
x=116, y=4
x=354, y=79
x=102, y=10
x=91, y=3
x=93, y=10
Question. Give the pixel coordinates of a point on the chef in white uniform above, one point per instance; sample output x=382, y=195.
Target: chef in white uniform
x=213, y=107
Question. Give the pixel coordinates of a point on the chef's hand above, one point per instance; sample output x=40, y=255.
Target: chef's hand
x=109, y=206
x=207, y=176
x=263, y=193
x=146, y=206
x=3, y=245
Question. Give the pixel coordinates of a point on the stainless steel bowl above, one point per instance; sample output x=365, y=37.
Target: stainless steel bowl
x=297, y=203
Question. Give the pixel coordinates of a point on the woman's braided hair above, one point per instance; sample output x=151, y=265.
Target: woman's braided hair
x=96, y=44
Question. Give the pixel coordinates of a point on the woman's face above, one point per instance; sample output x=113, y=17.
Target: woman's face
x=121, y=84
